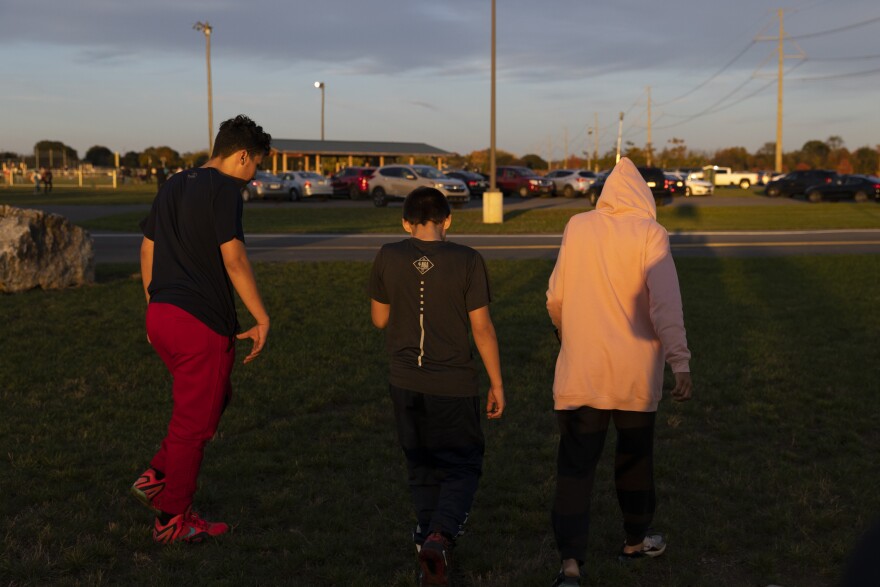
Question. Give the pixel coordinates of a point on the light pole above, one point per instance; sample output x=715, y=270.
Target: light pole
x=206, y=28
x=320, y=86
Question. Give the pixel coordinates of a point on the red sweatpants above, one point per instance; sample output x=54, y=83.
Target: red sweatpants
x=200, y=361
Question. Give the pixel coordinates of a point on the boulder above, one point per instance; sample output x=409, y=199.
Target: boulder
x=43, y=250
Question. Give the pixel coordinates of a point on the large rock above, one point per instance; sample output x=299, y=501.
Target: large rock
x=42, y=250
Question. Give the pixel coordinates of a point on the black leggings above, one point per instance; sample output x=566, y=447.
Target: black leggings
x=581, y=440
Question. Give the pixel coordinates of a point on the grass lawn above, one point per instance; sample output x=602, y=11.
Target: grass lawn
x=266, y=218
x=768, y=476
x=86, y=195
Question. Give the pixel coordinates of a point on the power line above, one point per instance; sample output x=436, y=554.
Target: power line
x=859, y=58
x=835, y=76
x=837, y=30
x=719, y=72
x=712, y=109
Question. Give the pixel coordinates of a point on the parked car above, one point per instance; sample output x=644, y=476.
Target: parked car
x=264, y=185
x=595, y=189
x=797, y=182
x=352, y=182
x=860, y=188
x=522, y=181
x=395, y=182
x=661, y=187
x=475, y=182
x=727, y=177
x=571, y=182
x=694, y=186
x=305, y=184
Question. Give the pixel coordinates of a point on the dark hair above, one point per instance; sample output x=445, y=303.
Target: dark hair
x=424, y=205
x=241, y=133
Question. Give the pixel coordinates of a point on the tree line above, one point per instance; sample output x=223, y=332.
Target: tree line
x=814, y=154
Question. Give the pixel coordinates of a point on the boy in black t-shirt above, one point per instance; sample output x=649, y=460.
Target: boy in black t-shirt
x=192, y=256
x=425, y=291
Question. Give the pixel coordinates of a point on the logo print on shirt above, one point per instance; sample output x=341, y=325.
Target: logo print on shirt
x=423, y=265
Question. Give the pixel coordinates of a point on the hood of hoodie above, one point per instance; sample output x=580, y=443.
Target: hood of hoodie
x=626, y=193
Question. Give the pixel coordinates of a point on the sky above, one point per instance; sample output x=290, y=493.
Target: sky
x=128, y=74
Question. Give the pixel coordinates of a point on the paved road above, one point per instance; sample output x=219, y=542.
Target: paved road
x=118, y=248
x=321, y=247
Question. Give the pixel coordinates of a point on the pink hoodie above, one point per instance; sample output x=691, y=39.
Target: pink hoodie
x=614, y=297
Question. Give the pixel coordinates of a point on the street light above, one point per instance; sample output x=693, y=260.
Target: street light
x=320, y=86
x=206, y=28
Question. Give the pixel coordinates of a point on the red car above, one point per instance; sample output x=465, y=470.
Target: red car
x=523, y=182
x=352, y=181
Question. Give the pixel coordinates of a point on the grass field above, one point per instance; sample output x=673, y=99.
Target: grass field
x=767, y=476
x=271, y=219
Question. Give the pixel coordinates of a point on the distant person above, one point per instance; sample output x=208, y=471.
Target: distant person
x=192, y=257
x=161, y=177
x=425, y=291
x=37, y=178
x=615, y=300
x=47, y=181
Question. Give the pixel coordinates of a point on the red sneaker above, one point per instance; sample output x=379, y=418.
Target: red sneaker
x=187, y=527
x=147, y=488
x=435, y=560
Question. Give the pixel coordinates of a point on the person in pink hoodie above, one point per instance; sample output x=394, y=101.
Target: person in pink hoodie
x=615, y=300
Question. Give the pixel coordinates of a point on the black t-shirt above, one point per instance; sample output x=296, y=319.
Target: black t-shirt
x=431, y=286
x=195, y=212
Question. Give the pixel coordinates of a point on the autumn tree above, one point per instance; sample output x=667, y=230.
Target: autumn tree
x=533, y=161
x=866, y=160
x=100, y=156
x=814, y=154
x=736, y=158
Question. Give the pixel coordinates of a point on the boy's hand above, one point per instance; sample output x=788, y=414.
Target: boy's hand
x=258, y=334
x=683, y=387
x=495, y=402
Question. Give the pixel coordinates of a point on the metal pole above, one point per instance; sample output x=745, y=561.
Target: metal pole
x=650, y=146
x=210, y=91
x=322, y=112
x=492, y=184
x=596, y=137
x=493, y=200
x=619, y=136
x=206, y=28
x=779, y=95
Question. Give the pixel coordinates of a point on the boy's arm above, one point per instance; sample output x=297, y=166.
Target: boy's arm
x=487, y=345
x=242, y=276
x=146, y=265
x=380, y=313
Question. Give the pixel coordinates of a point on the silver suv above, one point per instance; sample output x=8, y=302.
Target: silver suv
x=395, y=182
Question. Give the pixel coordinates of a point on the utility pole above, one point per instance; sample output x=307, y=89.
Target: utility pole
x=206, y=28
x=779, y=77
x=650, y=146
x=596, y=144
x=549, y=153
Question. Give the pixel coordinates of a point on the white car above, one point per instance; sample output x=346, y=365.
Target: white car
x=306, y=184
x=698, y=187
x=572, y=182
x=395, y=182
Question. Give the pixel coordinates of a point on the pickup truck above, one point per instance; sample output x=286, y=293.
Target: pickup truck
x=725, y=176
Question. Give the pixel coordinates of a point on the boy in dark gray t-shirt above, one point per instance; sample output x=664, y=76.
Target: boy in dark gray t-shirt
x=426, y=292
